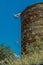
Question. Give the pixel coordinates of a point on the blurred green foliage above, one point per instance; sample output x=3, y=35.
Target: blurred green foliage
x=34, y=56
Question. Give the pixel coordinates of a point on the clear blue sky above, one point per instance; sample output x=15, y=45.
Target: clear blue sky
x=10, y=28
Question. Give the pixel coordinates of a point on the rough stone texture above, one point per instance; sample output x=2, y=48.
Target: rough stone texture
x=31, y=25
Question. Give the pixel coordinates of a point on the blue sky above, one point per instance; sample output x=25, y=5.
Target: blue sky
x=10, y=28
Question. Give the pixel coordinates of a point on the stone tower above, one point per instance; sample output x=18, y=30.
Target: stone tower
x=31, y=25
